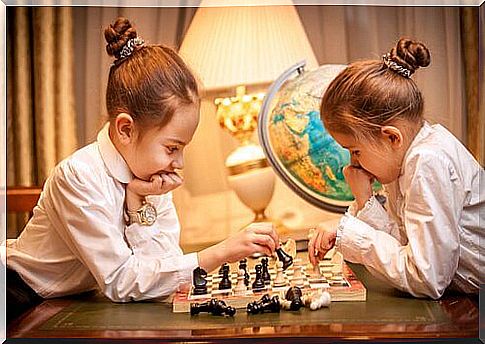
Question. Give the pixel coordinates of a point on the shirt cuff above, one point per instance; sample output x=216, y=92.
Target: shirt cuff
x=352, y=238
x=189, y=263
x=373, y=214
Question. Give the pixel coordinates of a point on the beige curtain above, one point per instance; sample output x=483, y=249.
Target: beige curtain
x=470, y=41
x=339, y=34
x=41, y=117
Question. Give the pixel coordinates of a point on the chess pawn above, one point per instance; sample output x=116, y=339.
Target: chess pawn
x=240, y=288
x=243, y=264
x=294, y=295
x=258, y=283
x=298, y=277
x=280, y=279
x=265, y=273
x=322, y=299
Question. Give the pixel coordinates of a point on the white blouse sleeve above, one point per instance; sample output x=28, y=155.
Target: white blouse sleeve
x=119, y=258
x=377, y=217
x=427, y=264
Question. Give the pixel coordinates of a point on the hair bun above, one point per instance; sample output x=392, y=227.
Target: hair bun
x=117, y=34
x=410, y=54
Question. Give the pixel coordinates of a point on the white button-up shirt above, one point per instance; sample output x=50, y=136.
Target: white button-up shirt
x=431, y=231
x=77, y=239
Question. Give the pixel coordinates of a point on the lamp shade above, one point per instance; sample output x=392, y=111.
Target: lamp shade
x=245, y=44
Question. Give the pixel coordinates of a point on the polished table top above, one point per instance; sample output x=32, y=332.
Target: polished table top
x=387, y=314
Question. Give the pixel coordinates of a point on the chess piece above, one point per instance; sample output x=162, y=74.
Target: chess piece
x=243, y=264
x=221, y=269
x=225, y=282
x=298, y=277
x=264, y=305
x=241, y=287
x=316, y=274
x=199, y=281
x=320, y=300
x=294, y=294
x=290, y=248
x=258, y=283
x=284, y=257
x=280, y=280
x=265, y=273
x=214, y=307
x=317, y=300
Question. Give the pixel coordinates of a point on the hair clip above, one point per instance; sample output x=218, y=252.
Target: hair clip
x=394, y=66
x=129, y=47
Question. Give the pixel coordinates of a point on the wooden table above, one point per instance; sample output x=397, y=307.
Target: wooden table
x=386, y=315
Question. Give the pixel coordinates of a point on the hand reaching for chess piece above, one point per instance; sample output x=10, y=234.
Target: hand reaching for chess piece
x=259, y=237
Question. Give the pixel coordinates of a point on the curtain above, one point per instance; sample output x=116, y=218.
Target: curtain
x=41, y=116
x=470, y=42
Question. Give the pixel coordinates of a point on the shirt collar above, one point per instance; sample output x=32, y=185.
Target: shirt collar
x=113, y=160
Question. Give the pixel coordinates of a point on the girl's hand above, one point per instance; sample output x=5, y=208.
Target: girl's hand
x=159, y=184
x=320, y=243
x=259, y=237
x=360, y=182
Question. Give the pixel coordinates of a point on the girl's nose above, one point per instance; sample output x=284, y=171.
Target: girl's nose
x=354, y=162
x=178, y=162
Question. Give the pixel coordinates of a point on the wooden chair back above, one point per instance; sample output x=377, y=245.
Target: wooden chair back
x=22, y=198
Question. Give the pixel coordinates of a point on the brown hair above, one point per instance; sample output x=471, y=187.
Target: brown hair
x=150, y=83
x=368, y=94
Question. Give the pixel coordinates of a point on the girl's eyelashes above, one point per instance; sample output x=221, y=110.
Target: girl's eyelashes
x=355, y=153
x=172, y=149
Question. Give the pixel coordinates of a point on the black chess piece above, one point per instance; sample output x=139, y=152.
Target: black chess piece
x=284, y=257
x=265, y=304
x=199, y=281
x=225, y=282
x=265, y=272
x=243, y=266
x=258, y=283
x=207, y=307
x=214, y=307
x=294, y=295
x=221, y=269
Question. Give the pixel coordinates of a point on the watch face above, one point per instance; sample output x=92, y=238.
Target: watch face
x=148, y=215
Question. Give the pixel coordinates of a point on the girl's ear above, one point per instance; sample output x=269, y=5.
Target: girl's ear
x=125, y=128
x=392, y=135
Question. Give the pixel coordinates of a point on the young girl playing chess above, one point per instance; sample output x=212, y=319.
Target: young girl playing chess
x=105, y=217
x=429, y=234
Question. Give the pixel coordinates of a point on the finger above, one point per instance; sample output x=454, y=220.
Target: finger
x=141, y=187
x=256, y=248
x=174, y=178
x=318, y=241
x=266, y=228
x=264, y=240
x=157, y=182
x=177, y=178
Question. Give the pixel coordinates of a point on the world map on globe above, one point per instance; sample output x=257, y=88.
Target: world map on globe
x=298, y=147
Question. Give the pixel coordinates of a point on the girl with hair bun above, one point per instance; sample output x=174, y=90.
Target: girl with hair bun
x=428, y=235
x=105, y=218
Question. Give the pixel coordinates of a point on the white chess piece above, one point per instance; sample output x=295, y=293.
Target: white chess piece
x=280, y=279
x=297, y=273
x=338, y=263
x=319, y=300
x=240, y=286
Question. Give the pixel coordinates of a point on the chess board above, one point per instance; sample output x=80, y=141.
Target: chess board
x=337, y=278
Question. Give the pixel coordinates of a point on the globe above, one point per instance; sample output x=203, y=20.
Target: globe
x=296, y=144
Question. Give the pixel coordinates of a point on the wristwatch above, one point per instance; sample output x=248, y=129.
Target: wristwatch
x=146, y=215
